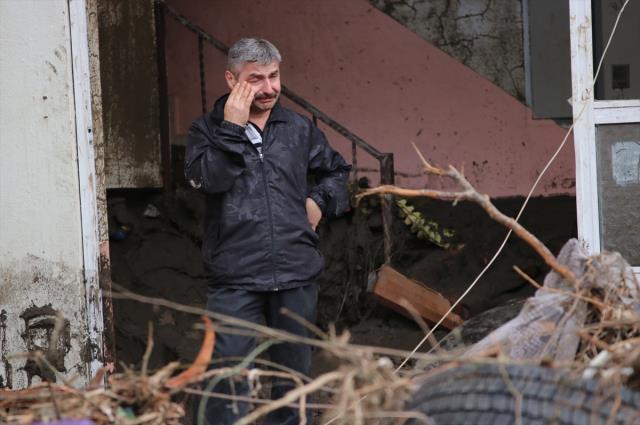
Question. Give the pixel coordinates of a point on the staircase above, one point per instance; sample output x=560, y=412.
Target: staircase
x=385, y=160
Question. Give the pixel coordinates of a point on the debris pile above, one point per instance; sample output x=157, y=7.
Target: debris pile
x=578, y=337
x=127, y=398
x=573, y=321
x=362, y=388
x=587, y=303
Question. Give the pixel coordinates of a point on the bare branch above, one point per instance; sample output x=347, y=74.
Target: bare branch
x=291, y=396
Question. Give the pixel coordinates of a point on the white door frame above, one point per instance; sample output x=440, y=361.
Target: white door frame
x=87, y=178
x=587, y=113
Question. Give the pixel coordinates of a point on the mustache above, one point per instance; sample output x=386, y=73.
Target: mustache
x=266, y=96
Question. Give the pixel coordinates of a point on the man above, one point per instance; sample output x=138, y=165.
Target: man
x=252, y=156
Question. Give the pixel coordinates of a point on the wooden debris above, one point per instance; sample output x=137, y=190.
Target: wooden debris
x=128, y=398
x=395, y=290
x=199, y=366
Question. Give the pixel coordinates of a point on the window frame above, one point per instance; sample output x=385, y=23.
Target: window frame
x=587, y=114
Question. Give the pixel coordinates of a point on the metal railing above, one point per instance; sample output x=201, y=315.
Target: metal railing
x=385, y=160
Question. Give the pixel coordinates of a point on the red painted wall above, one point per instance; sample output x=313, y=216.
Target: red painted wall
x=382, y=82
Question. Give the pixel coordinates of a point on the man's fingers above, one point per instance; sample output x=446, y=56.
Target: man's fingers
x=246, y=90
x=251, y=94
x=240, y=93
x=239, y=102
x=234, y=92
x=246, y=93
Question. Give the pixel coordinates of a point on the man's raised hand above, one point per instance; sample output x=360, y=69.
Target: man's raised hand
x=236, y=110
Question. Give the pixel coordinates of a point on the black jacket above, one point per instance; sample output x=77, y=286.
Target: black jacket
x=257, y=235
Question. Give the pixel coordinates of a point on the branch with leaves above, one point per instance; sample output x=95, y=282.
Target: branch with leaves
x=422, y=227
x=469, y=193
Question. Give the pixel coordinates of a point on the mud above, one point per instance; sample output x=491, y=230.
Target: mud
x=551, y=219
x=160, y=257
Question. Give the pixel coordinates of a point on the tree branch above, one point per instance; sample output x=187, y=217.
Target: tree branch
x=469, y=193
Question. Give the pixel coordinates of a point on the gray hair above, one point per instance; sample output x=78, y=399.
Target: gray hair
x=251, y=50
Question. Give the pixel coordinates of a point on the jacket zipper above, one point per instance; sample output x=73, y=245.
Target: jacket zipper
x=266, y=194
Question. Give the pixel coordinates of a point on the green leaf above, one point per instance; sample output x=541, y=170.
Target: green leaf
x=423, y=228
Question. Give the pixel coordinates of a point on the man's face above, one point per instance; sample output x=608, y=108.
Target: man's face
x=266, y=81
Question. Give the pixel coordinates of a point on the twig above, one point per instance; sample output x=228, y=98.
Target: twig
x=291, y=396
x=517, y=395
x=595, y=341
x=54, y=400
x=589, y=300
x=272, y=365
x=234, y=371
x=613, y=414
x=147, y=352
x=611, y=324
x=401, y=415
x=391, y=386
x=420, y=321
x=303, y=410
x=246, y=399
x=304, y=322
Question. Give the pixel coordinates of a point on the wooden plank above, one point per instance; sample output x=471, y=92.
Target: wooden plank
x=393, y=289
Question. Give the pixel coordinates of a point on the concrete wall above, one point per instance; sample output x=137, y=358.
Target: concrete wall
x=41, y=252
x=384, y=83
x=485, y=35
x=129, y=79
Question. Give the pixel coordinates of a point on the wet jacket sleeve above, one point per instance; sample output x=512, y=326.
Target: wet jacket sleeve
x=214, y=156
x=331, y=172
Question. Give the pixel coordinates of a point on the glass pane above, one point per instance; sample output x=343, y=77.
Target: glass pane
x=619, y=188
x=620, y=74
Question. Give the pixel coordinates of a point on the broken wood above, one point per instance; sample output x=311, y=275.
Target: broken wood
x=395, y=290
x=201, y=362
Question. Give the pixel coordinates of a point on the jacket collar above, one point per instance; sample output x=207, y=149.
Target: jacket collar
x=278, y=112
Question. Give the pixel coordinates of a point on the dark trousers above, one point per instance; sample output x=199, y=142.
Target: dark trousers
x=255, y=306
